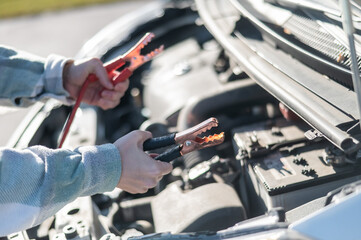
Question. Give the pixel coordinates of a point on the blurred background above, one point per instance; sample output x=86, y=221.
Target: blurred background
x=43, y=27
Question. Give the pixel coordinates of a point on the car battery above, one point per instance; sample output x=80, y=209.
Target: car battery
x=282, y=168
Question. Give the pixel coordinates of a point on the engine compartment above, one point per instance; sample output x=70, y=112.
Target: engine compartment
x=271, y=163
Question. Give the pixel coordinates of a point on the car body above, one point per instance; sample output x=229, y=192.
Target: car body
x=276, y=74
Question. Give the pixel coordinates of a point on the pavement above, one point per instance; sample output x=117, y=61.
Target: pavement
x=62, y=32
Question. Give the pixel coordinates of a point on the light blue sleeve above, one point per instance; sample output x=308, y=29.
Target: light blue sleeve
x=37, y=182
x=26, y=78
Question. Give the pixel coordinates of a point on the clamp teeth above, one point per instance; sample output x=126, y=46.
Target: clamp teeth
x=211, y=139
x=147, y=39
x=153, y=53
x=214, y=138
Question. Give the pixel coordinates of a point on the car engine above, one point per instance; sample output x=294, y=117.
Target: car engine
x=276, y=76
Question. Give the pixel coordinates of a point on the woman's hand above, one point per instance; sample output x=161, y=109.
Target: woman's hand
x=100, y=93
x=140, y=172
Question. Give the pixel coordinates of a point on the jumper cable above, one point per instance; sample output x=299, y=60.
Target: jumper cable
x=135, y=60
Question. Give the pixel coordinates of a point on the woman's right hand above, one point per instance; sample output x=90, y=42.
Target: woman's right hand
x=140, y=172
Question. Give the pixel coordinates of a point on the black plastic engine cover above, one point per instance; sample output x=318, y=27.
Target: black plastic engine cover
x=211, y=207
x=181, y=72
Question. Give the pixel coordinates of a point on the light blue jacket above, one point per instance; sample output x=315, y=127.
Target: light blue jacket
x=37, y=181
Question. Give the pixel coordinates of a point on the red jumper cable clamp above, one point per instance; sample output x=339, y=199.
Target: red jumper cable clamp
x=135, y=60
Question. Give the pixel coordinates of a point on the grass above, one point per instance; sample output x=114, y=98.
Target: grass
x=13, y=8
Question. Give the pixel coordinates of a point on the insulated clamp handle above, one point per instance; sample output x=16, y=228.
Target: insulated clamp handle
x=158, y=142
x=122, y=76
x=170, y=155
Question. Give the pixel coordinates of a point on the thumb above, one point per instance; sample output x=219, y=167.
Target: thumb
x=102, y=75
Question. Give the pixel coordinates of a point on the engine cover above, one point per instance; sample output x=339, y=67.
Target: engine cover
x=181, y=72
x=210, y=207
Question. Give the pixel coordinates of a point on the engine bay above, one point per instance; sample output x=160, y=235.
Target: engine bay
x=271, y=164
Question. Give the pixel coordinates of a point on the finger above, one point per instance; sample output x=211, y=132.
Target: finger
x=144, y=190
x=131, y=190
x=141, y=136
x=122, y=86
x=151, y=183
x=164, y=167
x=107, y=104
x=140, y=190
x=101, y=73
x=111, y=95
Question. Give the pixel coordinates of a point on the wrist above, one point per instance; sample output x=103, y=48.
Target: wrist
x=66, y=77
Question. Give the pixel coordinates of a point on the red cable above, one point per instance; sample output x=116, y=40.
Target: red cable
x=120, y=77
x=70, y=119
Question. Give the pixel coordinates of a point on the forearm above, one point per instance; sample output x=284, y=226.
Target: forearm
x=25, y=78
x=36, y=182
